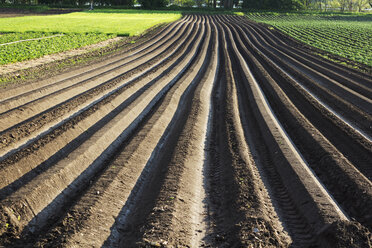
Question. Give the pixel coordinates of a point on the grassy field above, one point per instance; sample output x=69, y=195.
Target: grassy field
x=78, y=29
x=119, y=22
x=346, y=35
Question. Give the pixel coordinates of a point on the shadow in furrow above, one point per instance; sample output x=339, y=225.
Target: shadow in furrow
x=133, y=220
x=44, y=219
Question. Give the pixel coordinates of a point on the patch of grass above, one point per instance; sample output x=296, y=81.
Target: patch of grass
x=119, y=22
x=346, y=35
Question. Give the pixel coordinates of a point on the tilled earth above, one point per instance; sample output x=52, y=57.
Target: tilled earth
x=214, y=132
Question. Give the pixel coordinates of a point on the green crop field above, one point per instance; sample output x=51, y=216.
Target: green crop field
x=77, y=30
x=11, y=37
x=36, y=48
x=346, y=35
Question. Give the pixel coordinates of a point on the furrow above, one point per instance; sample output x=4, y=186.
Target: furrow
x=240, y=212
x=135, y=158
x=284, y=204
x=63, y=94
x=337, y=170
x=355, y=146
x=26, y=201
x=48, y=120
x=19, y=92
x=43, y=152
x=313, y=201
x=181, y=192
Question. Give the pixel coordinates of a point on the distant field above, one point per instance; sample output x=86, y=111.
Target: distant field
x=346, y=35
x=78, y=29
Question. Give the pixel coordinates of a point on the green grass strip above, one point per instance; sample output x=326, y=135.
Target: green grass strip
x=128, y=23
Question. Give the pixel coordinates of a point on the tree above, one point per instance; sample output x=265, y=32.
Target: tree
x=228, y=4
x=361, y=4
x=153, y=4
x=271, y=4
x=251, y=4
x=305, y=3
x=343, y=5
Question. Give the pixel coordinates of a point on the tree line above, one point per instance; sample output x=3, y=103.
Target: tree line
x=341, y=5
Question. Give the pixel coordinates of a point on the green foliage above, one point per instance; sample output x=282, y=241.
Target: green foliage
x=136, y=11
x=35, y=49
x=34, y=8
x=10, y=37
x=271, y=4
x=153, y=4
x=188, y=3
x=345, y=35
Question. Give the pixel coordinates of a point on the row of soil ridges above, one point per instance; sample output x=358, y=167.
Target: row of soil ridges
x=213, y=132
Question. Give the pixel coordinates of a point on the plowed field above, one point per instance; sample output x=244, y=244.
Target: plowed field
x=213, y=132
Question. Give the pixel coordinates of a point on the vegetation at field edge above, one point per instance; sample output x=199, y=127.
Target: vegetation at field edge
x=33, y=8
x=345, y=35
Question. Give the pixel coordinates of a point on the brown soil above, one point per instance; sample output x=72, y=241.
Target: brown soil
x=212, y=131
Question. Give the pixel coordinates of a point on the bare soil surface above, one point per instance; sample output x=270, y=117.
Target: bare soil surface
x=212, y=131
